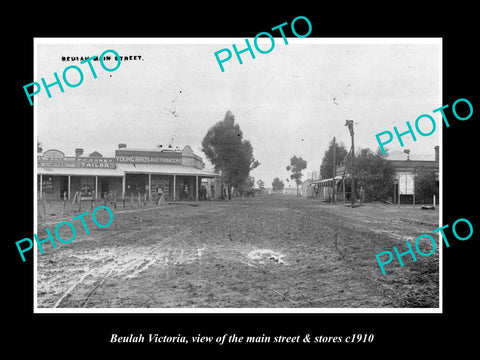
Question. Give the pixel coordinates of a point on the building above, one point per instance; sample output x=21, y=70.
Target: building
x=132, y=172
x=307, y=187
x=405, y=166
x=324, y=189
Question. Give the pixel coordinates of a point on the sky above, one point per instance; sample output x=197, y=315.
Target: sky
x=291, y=101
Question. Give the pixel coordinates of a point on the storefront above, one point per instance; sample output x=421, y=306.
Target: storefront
x=325, y=189
x=405, y=166
x=132, y=172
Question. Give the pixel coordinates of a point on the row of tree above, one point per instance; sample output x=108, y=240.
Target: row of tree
x=232, y=156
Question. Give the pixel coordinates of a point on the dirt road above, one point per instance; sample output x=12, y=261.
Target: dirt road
x=265, y=252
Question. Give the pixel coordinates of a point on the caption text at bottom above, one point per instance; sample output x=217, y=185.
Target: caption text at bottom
x=234, y=338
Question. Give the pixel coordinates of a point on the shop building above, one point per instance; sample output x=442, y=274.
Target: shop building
x=132, y=172
x=405, y=166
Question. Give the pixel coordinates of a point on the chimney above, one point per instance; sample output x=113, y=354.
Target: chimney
x=78, y=152
x=121, y=146
x=436, y=153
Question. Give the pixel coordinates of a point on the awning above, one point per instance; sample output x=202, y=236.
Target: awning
x=164, y=170
x=123, y=169
x=323, y=181
x=72, y=171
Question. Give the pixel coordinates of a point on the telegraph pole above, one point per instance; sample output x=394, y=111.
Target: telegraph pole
x=349, y=123
x=334, y=172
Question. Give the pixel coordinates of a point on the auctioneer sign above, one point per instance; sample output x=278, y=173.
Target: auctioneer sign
x=148, y=157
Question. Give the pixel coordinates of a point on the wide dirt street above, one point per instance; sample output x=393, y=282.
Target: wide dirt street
x=262, y=252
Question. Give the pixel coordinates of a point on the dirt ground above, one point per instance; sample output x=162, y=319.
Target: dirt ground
x=262, y=252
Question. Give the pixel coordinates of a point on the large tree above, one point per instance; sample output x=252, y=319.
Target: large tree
x=230, y=154
x=326, y=169
x=372, y=172
x=277, y=184
x=297, y=164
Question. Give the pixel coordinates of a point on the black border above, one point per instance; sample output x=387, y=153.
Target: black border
x=66, y=334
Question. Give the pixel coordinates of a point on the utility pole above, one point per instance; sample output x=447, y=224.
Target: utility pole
x=349, y=123
x=334, y=172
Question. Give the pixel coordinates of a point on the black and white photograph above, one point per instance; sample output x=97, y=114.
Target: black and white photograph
x=222, y=179
x=257, y=186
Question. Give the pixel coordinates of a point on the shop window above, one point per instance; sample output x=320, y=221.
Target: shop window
x=47, y=184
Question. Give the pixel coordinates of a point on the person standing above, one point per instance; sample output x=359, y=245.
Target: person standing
x=160, y=195
x=362, y=195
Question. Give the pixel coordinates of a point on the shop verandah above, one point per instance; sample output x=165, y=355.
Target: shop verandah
x=61, y=184
x=329, y=189
x=177, y=182
x=174, y=187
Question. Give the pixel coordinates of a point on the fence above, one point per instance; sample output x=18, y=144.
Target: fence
x=79, y=204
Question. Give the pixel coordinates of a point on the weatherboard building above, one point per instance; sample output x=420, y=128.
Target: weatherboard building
x=404, y=165
x=132, y=172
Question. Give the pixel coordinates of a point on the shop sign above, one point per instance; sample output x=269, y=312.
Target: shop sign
x=85, y=162
x=55, y=158
x=148, y=157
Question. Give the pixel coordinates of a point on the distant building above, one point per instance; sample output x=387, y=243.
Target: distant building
x=405, y=165
x=290, y=190
x=314, y=175
x=307, y=188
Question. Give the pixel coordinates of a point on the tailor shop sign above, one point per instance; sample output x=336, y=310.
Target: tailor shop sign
x=56, y=158
x=106, y=163
x=148, y=157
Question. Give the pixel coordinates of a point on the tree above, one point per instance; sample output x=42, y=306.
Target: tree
x=261, y=184
x=326, y=169
x=297, y=164
x=374, y=173
x=250, y=182
x=277, y=184
x=39, y=147
x=229, y=153
x=426, y=184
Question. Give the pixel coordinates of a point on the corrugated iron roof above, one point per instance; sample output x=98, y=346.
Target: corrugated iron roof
x=122, y=169
x=164, y=170
x=74, y=171
x=338, y=177
x=400, y=155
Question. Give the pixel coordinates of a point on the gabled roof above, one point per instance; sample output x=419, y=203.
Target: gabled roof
x=401, y=156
